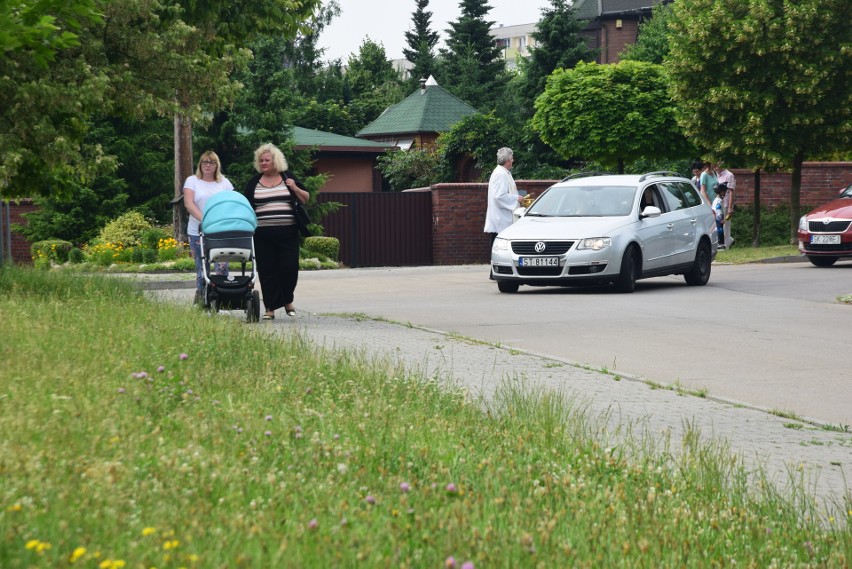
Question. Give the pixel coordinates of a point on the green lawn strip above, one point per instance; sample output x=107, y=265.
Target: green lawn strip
x=253, y=450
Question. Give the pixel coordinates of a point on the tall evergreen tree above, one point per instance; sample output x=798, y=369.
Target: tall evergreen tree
x=421, y=44
x=558, y=46
x=473, y=68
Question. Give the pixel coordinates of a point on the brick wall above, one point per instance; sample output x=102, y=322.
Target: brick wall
x=458, y=218
x=820, y=183
x=20, y=246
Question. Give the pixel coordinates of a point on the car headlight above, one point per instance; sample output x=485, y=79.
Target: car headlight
x=501, y=244
x=595, y=243
x=803, y=223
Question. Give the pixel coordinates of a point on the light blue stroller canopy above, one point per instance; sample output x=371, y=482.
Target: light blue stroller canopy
x=228, y=211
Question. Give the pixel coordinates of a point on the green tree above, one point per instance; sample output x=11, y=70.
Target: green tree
x=477, y=137
x=412, y=168
x=559, y=46
x=421, y=45
x=38, y=29
x=609, y=113
x=652, y=45
x=374, y=83
x=472, y=66
x=47, y=91
x=771, y=90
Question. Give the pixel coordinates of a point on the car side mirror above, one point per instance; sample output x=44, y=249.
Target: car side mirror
x=650, y=211
x=518, y=213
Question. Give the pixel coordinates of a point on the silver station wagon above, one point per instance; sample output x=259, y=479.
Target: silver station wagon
x=596, y=229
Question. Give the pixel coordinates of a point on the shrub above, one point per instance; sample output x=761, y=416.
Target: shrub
x=149, y=256
x=126, y=230
x=50, y=251
x=323, y=247
x=153, y=236
x=167, y=249
x=774, y=224
x=76, y=255
x=105, y=254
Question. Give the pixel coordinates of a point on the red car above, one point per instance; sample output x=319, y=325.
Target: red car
x=825, y=233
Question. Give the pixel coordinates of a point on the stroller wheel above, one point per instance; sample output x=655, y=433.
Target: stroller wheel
x=253, y=307
x=211, y=300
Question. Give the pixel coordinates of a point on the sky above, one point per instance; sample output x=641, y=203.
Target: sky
x=386, y=21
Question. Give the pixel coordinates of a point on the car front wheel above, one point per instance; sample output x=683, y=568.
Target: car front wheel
x=822, y=261
x=630, y=263
x=507, y=286
x=699, y=274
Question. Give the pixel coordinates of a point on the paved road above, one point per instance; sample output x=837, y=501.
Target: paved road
x=773, y=336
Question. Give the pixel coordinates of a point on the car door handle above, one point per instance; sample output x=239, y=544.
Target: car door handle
x=693, y=221
x=670, y=226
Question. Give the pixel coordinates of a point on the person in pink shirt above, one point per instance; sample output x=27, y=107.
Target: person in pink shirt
x=724, y=176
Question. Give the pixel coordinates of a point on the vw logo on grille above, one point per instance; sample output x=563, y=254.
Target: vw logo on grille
x=540, y=247
x=827, y=220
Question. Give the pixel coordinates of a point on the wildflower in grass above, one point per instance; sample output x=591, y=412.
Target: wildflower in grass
x=313, y=524
x=121, y=390
x=341, y=468
x=405, y=487
x=183, y=356
x=451, y=488
x=297, y=432
x=171, y=544
x=15, y=508
x=450, y=563
x=370, y=499
x=148, y=531
x=268, y=433
x=467, y=565
x=268, y=417
x=76, y=554
x=161, y=369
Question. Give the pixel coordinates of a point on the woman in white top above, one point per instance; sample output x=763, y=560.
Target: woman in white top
x=208, y=180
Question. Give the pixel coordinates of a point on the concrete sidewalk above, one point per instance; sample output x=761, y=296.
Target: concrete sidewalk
x=787, y=449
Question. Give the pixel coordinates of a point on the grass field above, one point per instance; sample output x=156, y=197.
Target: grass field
x=139, y=434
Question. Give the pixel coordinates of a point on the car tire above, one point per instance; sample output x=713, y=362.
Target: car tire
x=630, y=265
x=699, y=274
x=507, y=286
x=822, y=261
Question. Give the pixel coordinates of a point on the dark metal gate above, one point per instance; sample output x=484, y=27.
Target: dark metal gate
x=381, y=229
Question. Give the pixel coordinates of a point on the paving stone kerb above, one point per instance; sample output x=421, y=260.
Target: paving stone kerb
x=623, y=404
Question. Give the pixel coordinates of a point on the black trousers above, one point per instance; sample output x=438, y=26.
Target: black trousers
x=277, y=254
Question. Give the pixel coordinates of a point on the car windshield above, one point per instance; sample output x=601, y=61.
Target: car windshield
x=584, y=201
x=847, y=193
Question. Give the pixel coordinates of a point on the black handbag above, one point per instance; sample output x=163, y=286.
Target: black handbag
x=303, y=219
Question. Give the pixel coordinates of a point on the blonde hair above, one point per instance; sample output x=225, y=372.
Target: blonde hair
x=209, y=155
x=278, y=159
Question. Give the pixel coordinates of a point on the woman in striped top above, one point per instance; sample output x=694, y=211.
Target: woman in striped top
x=276, y=242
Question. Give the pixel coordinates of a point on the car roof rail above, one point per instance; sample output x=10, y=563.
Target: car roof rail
x=585, y=175
x=660, y=173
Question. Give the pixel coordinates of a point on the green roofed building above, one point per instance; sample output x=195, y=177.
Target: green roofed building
x=349, y=162
x=418, y=119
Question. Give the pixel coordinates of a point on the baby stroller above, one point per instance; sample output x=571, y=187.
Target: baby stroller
x=227, y=235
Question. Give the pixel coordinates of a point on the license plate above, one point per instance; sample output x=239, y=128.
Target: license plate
x=825, y=239
x=538, y=261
